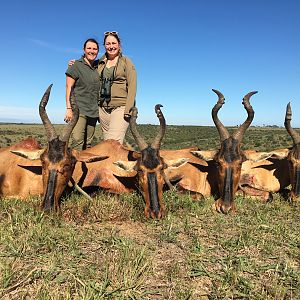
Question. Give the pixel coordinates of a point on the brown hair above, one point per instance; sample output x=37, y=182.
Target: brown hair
x=112, y=33
x=90, y=40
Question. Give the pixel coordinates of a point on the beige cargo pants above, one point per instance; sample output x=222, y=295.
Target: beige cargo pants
x=113, y=124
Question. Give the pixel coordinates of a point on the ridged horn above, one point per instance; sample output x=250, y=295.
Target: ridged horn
x=287, y=124
x=239, y=133
x=223, y=132
x=70, y=126
x=138, y=138
x=162, y=129
x=50, y=130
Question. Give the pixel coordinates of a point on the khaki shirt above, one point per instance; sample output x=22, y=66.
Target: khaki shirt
x=87, y=86
x=123, y=88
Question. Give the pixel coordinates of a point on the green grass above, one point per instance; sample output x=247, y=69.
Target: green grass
x=106, y=249
x=177, y=137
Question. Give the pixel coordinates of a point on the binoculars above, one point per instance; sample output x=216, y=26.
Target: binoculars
x=105, y=88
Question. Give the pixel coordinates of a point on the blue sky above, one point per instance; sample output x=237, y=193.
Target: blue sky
x=181, y=50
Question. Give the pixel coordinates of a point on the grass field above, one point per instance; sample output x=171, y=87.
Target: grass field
x=106, y=249
x=205, y=137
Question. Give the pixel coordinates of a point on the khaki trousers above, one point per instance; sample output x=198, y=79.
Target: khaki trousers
x=113, y=124
x=83, y=132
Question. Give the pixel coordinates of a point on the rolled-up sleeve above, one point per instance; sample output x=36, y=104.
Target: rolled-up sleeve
x=72, y=72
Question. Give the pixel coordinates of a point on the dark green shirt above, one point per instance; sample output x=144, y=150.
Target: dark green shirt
x=87, y=86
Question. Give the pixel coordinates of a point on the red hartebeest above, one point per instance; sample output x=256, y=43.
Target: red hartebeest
x=19, y=177
x=115, y=174
x=262, y=178
x=57, y=159
x=150, y=166
x=229, y=157
x=285, y=166
x=293, y=155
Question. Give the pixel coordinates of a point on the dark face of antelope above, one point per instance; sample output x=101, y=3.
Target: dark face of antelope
x=294, y=166
x=293, y=156
x=229, y=163
x=151, y=181
x=230, y=157
x=58, y=165
x=150, y=168
x=57, y=160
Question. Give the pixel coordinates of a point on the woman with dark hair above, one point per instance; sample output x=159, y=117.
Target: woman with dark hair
x=118, y=88
x=84, y=77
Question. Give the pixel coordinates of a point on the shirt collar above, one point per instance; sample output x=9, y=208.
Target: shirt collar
x=94, y=65
x=103, y=58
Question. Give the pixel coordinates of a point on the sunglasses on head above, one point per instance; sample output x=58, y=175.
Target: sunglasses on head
x=110, y=33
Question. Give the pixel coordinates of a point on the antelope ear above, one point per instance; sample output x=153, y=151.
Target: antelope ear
x=31, y=155
x=176, y=163
x=127, y=166
x=280, y=153
x=87, y=157
x=206, y=155
x=258, y=156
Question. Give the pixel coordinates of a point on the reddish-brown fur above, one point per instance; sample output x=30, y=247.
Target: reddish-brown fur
x=19, y=177
x=104, y=174
x=266, y=176
x=196, y=176
x=29, y=143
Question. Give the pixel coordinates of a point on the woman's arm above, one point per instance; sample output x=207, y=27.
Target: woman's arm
x=131, y=86
x=69, y=84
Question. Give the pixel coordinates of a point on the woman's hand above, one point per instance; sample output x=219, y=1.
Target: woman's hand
x=71, y=62
x=68, y=115
x=127, y=117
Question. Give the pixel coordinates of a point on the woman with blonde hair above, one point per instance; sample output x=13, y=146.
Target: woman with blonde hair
x=118, y=88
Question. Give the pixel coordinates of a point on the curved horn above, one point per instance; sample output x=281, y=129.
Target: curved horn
x=223, y=132
x=287, y=124
x=157, y=141
x=50, y=130
x=138, y=138
x=238, y=134
x=70, y=126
